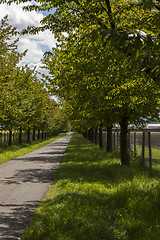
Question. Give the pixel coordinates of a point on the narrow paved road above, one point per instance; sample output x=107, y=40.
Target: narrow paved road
x=24, y=181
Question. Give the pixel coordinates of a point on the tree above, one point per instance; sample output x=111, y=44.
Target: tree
x=9, y=58
x=119, y=23
x=96, y=85
x=25, y=103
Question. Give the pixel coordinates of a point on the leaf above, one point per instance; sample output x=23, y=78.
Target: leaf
x=95, y=34
x=105, y=33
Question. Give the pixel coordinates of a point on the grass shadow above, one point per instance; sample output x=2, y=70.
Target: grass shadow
x=94, y=198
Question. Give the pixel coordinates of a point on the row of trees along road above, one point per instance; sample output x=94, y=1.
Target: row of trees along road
x=106, y=65
x=24, y=102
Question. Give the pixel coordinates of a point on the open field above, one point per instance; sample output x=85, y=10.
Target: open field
x=155, y=139
x=92, y=197
x=155, y=145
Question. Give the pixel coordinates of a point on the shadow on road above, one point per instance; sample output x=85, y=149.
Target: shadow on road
x=24, y=181
x=13, y=222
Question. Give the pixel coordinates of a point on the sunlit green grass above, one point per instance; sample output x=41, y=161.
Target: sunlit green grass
x=93, y=197
x=11, y=152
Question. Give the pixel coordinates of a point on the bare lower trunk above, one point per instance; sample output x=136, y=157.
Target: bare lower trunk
x=42, y=135
x=109, y=139
x=85, y=134
x=100, y=138
x=89, y=135
x=10, y=138
x=28, y=136
x=92, y=135
x=34, y=134
x=38, y=134
x=124, y=142
x=95, y=136
x=20, y=135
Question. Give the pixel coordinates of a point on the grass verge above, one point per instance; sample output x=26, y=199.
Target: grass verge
x=155, y=156
x=92, y=197
x=11, y=152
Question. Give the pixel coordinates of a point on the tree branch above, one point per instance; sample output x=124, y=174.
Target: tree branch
x=110, y=14
x=103, y=7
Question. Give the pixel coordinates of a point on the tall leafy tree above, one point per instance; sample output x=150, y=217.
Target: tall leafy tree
x=102, y=87
x=24, y=101
x=9, y=58
x=120, y=23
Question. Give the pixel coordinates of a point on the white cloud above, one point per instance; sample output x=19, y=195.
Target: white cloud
x=34, y=53
x=21, y=19
x=36, y=44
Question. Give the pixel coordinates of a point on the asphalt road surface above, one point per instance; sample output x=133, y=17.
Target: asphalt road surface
x=24, y=182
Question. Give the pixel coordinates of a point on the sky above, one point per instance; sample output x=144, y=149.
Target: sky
x=36, y=44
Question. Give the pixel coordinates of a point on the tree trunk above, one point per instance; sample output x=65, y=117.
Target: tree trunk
x=42, y=135
x=28, y=136
x=10, y=138
x=109, y=139
x=92, y=135
x=100, y=138
x=20, y=135
x=38, y=134
x=34, y=134
x=89, y=134
x=95, y=136
x=124, y=141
